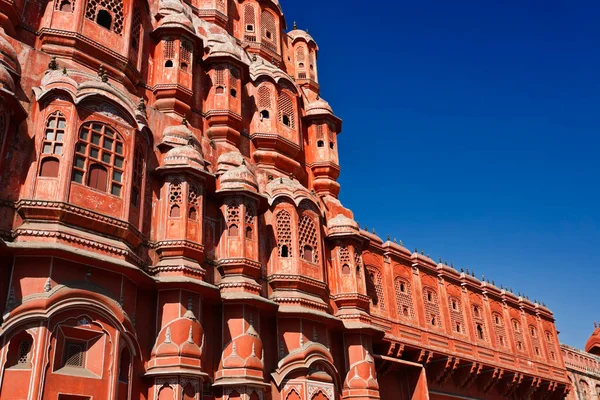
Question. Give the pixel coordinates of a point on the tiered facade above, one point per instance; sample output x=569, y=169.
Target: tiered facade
x=583, y=368
x=171, y=228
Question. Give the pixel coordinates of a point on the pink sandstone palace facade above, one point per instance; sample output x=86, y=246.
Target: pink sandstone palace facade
x=170, y=227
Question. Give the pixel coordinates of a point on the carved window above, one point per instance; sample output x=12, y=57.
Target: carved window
x=138, y=176
x=404, y=300
x=169, y=52
x=233, y=218
x=250, y=217
x=107, y=13
x=194, y=199
x=99, y=158
x=345, y=260
x=286, y=110
x=456, y=315
x=250, y=22
x=53, y=145
x=331, y=140
x=309, y=246
x=219, y=79
x=518, y=335
x=432, y=308
x=124, y=364
x=269, y=30
x=375, y=288
x=320, y=136
x=499, y=329
x=74, y=354
x=311, y=61
x=175, y=199
x=185, y=55
x=284, y=234
x=535, y=341
x=189, y=393
x=136, y=32
x=64, y=5
x=479, y=322
x=264, y=98
x=300, y=55
x=24, y=352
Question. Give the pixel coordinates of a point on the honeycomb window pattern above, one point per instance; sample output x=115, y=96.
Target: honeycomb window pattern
x=136, y=31
x=286, y=110
x=264, y=98
x=175, y=199
x=194, y=198
x=138, y=175
x=375, y=288
x=249, y=18
x=24, y=350
x=284, y=233
x=519, y=341
x=404, y=300
x=535, y=342
x=113, y=7
x=499, y=330
x=479, y=322
x=233, y=217
x=308, y=238
x=185, y=54
x=169, y=49
x=54, y=134
x=432, y=308
x=220, y=75
x=456, y=315
x=300, y=55
x=269, y=30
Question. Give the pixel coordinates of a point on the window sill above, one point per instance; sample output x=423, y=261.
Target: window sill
x=77, y=371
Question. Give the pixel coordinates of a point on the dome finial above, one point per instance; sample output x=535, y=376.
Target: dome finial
x=295, y=26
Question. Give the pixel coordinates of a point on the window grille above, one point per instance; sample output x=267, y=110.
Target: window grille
x=518, y=335
x=300, y=55
x=74, y=354
x=99, y=8
x=54, y=135
x=269, y=30
x=138, y=176
x=404, y=300
x=220, y=76
x=249, y=18
x=99, y=158
x=24, y=350
x=308, y=239
x=456, y=315
x=286, y=110
x=432, y=308
x=194, y=201
x=175, y=199
x=375, y=288
x=499, y=330
x=478, y=320
x=233, y=218
x=535, y=341
x=169, y=49
x=284, y=233
x=185, y=52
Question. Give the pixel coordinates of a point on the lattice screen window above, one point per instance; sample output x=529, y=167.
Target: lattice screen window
x=456, y=315
x=519, y=341
x=136, y=31
x=311, y=66
x=477, y=312
x=375, y=288
x=345, y=260
x=169, y=49
x=194, y=201
x=284, y=234
x=550, y=345
x=404, y=300
x=269, y=30
x=250, y=217
x=54, y=134
x=175, y=199
x=107, y=13
x=99, y=159
x=499, y=330
x=432, y=308
x=233, y=218
x=64, y=5
x=250, y=20
x=24, y=350
x=264, y=98
x=185, y=55
x=286, y=110
x=138, y=175
x=300, y=57
x=535, y=341
x=308, y=243
x=74, y=354
x=219, y=79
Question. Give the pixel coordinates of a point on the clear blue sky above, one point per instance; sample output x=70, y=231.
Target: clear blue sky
x=471, y=130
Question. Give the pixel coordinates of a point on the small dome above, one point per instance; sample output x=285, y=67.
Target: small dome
x=167, y=7
x=229, y=160
x=221, y=46
x=6, y=80
x=300, y=34
x=187, y=154
x=177, y=20
x=318, y=107
x=238, y=178
x=8, y=55
x=183, y=337
x=593, y=343
x=176, y=135
x=244, y=351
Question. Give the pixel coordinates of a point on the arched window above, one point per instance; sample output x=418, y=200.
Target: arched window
x=269, y=30
x=194, y=201
x=19, y=351
x=185, y=55
x=64, y=6
x=168, y=51
x=375, y=288
x=99, y=158
x=432, y=308
x=479, y=321
x=54, y=134
x=284, y=233
x=456, y=315
x=345, y=260
x=499, y=329
x=107, y=13
x=175, y=199
x=404, y=300
x=233, y=218
x=124, y=365
x=49, y=167
x=535, y=341
x=136, y=34
x=250, y=22
x=264, y=101
x=518, y=335
x=189, y=393
x=249, y=218
x=309, y=246
x=286, y=110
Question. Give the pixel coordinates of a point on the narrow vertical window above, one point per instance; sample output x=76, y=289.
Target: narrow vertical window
x=52, y=145
x=404, y=300
x=432, y=306
x=138, y=176
x=249, y=23
x=269, y=30
x=106, y=13
x=284, y=234
x=233, y=219
x=175, y=199
x=136, y=34
x=308, y=242
x=286, y=110
x=169, y=52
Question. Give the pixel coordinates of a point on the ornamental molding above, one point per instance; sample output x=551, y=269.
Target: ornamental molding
x=298, y=278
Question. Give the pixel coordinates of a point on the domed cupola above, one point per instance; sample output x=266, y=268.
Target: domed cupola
x=341, y=225
x=188, y=155
x=176, y=135
x=304, y=52
x=180, y=344
x=239, y=178
x=172, y=14
x=242, y=358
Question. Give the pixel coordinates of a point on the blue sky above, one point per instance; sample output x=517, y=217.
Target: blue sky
x=471, y=130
